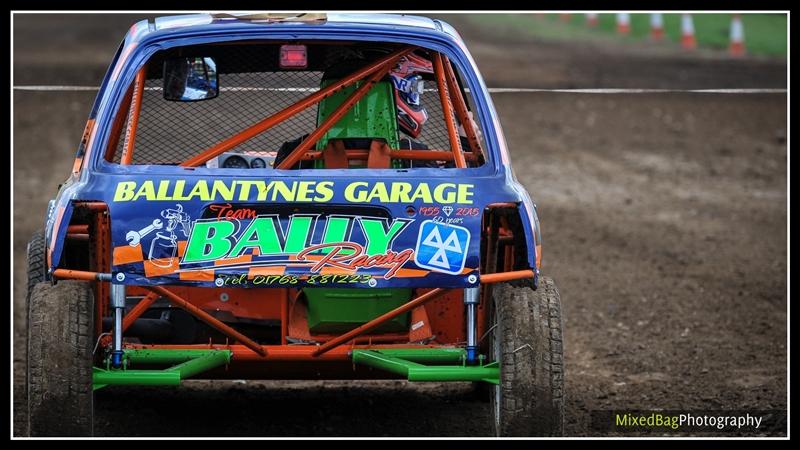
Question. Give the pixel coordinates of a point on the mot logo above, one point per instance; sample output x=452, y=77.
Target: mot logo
x=442, y=247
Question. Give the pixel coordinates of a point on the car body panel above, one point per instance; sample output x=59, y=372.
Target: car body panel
x=138, y=195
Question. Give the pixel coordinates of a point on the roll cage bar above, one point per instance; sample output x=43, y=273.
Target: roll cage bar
x=450, y=96
x=343, y=347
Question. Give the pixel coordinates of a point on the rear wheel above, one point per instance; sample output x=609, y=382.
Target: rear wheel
x=37, y=261
x=37, y=272
x=59, y=368
x=526, y=339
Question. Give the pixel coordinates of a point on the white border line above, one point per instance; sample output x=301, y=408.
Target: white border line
x=437, y=438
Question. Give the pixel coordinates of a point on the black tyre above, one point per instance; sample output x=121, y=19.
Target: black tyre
x=37, y=272
x=37, y=261
x=527, y=340
x=59, y=369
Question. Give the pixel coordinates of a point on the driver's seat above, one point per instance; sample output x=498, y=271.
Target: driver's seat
x=371, y=124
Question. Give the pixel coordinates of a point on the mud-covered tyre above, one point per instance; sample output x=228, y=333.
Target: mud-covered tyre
x=59, y=367
x=528, y=342
x=37, y=261
x=37, y=272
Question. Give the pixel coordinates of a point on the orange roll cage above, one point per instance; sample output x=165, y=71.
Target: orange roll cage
x=309, y=352
x=454, y=109
x=370, y=74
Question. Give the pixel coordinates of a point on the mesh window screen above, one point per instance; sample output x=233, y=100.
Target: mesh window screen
x=252, y=88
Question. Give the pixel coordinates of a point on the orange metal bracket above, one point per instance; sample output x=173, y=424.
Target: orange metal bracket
x=447, y=112
x=461, y=108
x=136, y=107
x=293, y=109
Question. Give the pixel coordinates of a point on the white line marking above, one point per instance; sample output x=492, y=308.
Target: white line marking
x=55, y=88
x=491, y=90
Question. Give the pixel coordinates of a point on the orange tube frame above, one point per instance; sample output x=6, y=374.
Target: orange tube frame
x=428, y=155
x=279, y=352
x=116, y=127
x=447, y=111
x=292, y=110
x=422, y=299
x=78, y=229
x=460, y=106
x=138, y=310
x=207, y=318
x=315, y=352
x=136, y=108
x=297, y=154
x=445, y=80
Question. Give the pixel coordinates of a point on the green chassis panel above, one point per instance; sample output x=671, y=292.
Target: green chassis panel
x=337, y=310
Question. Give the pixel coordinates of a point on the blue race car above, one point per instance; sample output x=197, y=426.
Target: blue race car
x=311, y=196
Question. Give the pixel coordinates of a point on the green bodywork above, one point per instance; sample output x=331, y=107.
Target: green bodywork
x=339, y=310
x=416, y=364
x=336, y=310
x=187, y=363
x=409, y=363
x=374, y=116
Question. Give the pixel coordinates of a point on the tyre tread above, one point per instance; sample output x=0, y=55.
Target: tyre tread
x=59, y=366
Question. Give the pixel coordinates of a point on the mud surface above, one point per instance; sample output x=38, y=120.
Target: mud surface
x=663, y=217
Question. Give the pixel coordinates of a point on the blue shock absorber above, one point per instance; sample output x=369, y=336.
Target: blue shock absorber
x=471, y=300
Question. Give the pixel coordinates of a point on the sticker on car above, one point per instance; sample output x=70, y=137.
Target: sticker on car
x=442, y=247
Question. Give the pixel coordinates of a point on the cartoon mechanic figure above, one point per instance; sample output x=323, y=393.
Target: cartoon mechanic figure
x=165, y=245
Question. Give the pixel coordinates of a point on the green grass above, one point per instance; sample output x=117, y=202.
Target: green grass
x=765, y=34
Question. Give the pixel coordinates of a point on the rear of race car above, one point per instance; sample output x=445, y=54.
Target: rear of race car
x=295, y=203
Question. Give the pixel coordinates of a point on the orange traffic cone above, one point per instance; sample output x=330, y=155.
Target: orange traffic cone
x=656, y=27
x=591, y=19
x=737, y=36
x=623, y=23
x=687, y=32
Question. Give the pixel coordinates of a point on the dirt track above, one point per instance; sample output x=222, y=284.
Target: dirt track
x=664, y=224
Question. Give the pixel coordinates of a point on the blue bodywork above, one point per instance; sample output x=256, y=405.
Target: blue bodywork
x=431, y=212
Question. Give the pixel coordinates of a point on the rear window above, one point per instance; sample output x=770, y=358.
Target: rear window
x=251, y=85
